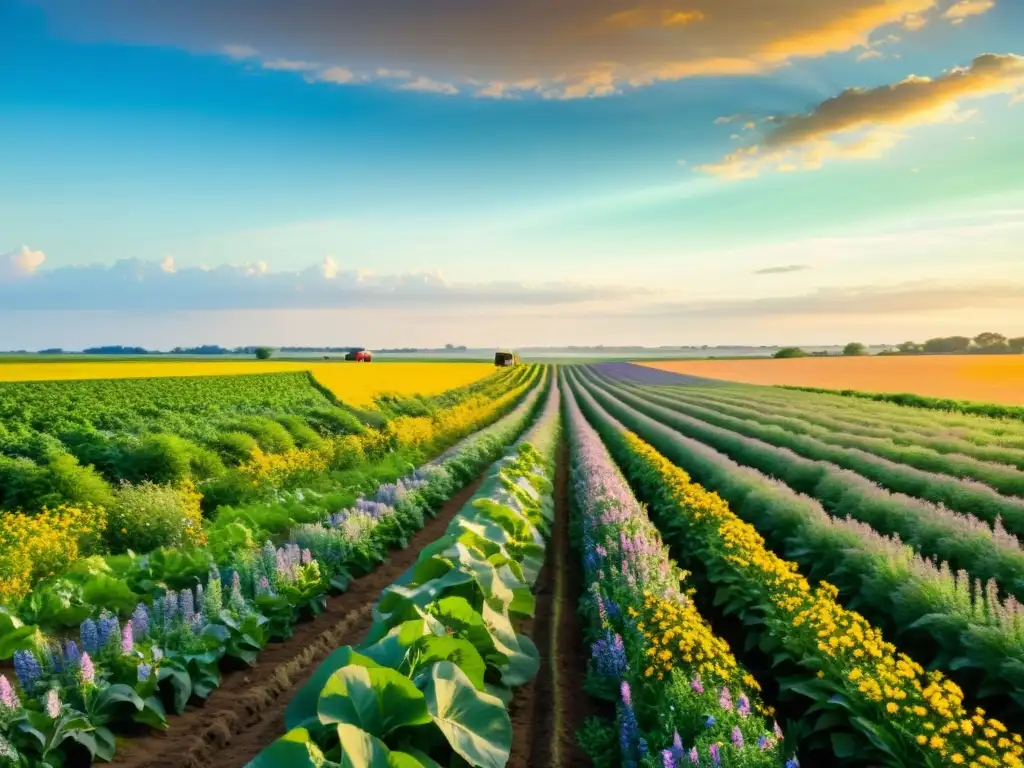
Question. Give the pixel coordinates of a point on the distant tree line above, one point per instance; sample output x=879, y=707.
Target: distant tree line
x=987, y=343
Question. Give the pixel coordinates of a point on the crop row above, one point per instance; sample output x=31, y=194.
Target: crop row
x=944, y=619
x=155, y=630
x=974, y=450
x=1007, y=480
x=911, y=400
x=681, y=696
x=436, y=673
x=868, y=703
x=963, y=541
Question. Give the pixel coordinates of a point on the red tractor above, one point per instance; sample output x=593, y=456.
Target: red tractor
x=359, y=355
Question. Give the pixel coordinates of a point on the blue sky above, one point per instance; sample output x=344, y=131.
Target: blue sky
x=609, y=172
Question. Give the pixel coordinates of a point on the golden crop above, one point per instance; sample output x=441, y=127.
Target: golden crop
x=989, y=378
x=353, y=383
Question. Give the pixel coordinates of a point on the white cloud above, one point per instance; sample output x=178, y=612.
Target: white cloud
x=133, y=284
x=427, y=85
x=20, y=264
x=239, y=52
x=288, y=65
x=330, y=268
x=964, y=9
x=864, y=123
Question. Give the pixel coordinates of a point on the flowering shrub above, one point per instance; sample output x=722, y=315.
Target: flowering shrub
x=675, y=682
x=147, y=516
x=34, y=546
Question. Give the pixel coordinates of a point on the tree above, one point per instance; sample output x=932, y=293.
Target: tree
x=947, y=345
x=1016, y=345
x=788, y=352
x=854, y=348
x=989, y=340
x=263, y=353
x=909, y=348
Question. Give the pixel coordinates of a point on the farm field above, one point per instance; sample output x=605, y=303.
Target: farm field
x=593, y=564
x=987, y=378
x=355, y=384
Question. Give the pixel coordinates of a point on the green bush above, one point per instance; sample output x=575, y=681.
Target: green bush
x=158, y=458
x=271, y=436
x=335, y=421
x=30, y=486
x=304, y=435
x=235, y=447
x=147, y=516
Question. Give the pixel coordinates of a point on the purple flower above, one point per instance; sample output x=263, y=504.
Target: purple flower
x=792, y=763
x=743, y=708
x=694, y=757
x=709, y=722
x=170, y=608
x=762, y=743
x=627, y=695
x=72, y=656
x=667, y=760
x=140, y=621
x=236, y=601
x=7, y=695
x=609, y=654
x=27, y=668
x=144, y=671
x=697, y=685
x=90, y=636
x=778, y=731
x=108, y=627
x=186, y=604
x=716, y=758
x=127, y=639
x=86, y=670
x=725, y=700
x=307, y=557
x=53, y=705
x=737, y=737
x=632, y=744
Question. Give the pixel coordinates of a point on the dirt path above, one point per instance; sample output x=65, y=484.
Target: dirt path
x=547, y=711
x=247, y=712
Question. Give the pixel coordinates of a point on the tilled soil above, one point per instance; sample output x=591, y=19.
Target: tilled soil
x=246, y=713
x=547, y=711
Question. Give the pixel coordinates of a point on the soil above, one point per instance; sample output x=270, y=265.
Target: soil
x=246, y=713
x=547, y=711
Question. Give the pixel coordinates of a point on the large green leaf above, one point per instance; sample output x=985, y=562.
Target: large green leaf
x=15, y=635
x=391, y=650
x=295, y=749
x=458, y=614
x=303, y=706
x=456, y=650
x=476, y=724
x=376, y=700
x=522, y=655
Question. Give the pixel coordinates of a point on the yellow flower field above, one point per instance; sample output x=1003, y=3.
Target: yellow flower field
x=988, y=378
x=354, y=383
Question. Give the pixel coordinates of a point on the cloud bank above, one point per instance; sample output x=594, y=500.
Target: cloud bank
x=867, y=122
x=569, y=49
x=783, y=269
x=133, y=284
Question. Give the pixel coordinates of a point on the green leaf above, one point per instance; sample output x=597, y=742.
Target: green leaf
x=360, y=749
x=476, y=724
x=845, y=745
x=295, y=749
x=456, y=650
x=303, y=705
x=376, y=700
x=391, y=650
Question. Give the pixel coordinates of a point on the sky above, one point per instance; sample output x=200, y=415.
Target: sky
x=422, y=172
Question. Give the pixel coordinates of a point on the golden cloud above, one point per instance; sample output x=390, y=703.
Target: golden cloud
x=569, y=49
x=864, y=123
x=966, y=8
